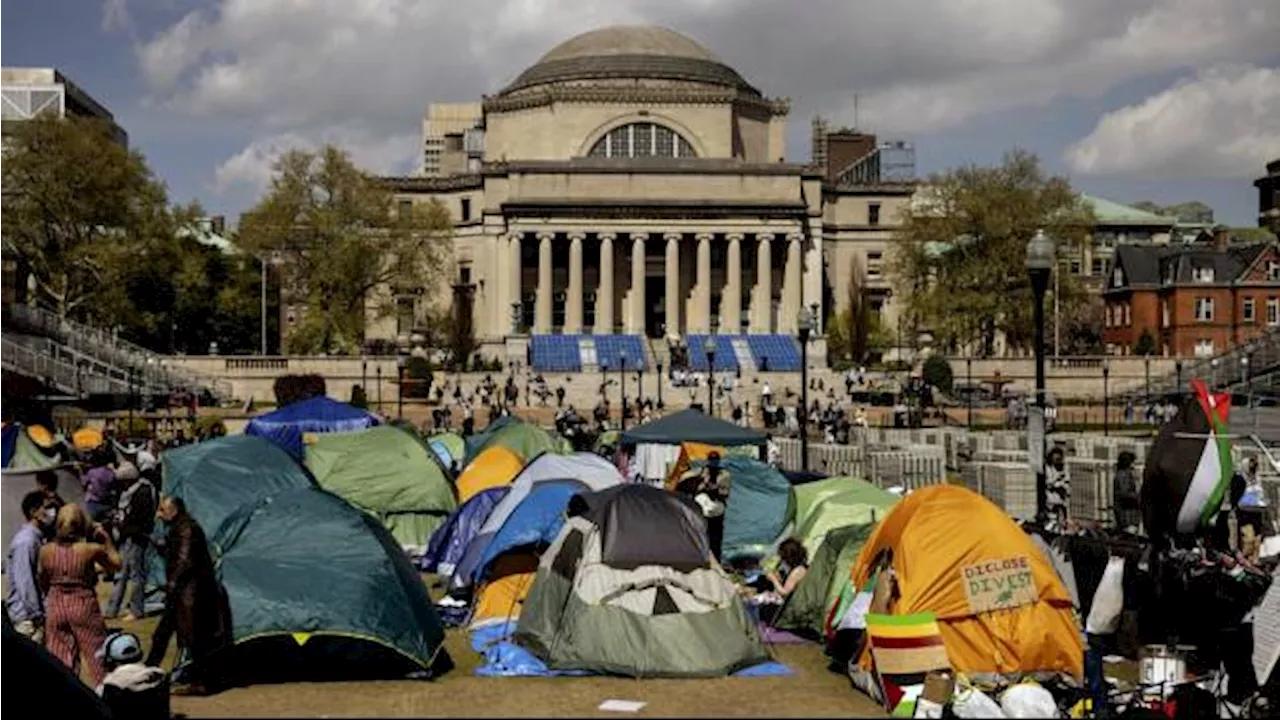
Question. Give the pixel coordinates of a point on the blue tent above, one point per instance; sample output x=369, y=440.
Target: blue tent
x=286, y=426
x=8, y=442
x=535, y=521
x=450, y=540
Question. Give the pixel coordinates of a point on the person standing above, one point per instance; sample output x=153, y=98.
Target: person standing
x=710, y=491
x=99, y=486
x=1124, y=492
x=1057, y=491
x=47, y=484
x=195, y=606
x=24, y=602
x=68, y=574
x=135, y=519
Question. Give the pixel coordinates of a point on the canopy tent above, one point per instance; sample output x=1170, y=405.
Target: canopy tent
x=495, y=467
x=388, y=472
x=629, y=588
x=320, y=590
x=1000, y=606
x=450, y=541
x=286, y=426
x=19, y=478
x=692, y=426
x=837, y=502
x=524, y=439
x=215, y=478
x=810, y=605
x=761, y=505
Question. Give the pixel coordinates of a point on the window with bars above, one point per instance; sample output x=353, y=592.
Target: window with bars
x=642, y=140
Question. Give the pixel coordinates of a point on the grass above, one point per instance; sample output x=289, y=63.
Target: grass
x=811, y=691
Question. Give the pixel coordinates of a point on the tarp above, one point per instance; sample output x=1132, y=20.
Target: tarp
x=692, y=426
x=215, y=478
x=494, y=467
x=320, y=590
x=388, y=472
x=449, y=541
x=945, y=537
x=321, y=414
x=761, y=504
x=837, y=502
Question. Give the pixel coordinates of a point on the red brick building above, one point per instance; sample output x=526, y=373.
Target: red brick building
x=1199, y=299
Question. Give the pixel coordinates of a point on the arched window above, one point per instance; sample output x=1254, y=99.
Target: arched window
x=642, y=140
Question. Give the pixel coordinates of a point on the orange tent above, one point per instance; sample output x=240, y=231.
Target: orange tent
x=502, y=597
x=41, y=436
x=494, y=467
x=690, y=452
x=87, y=438
x=1000, y=605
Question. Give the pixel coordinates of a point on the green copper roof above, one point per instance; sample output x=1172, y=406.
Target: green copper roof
x=1113, y=213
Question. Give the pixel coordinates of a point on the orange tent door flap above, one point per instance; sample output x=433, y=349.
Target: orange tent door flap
x=494, y=467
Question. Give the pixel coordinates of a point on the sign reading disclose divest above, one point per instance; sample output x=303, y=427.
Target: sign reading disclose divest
x=999, y=584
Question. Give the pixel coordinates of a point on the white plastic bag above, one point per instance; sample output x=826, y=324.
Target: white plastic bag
x=972, y=703
x=1108, y=600
x=1028, y=700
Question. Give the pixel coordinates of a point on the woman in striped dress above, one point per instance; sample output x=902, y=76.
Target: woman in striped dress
x=74, y=627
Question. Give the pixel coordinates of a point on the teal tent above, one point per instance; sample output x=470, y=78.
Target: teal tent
x=761, y=506
x=216, y=477
x=321, y=591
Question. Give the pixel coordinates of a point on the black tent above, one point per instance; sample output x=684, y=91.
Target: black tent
x=692, y=426
x=46, y=683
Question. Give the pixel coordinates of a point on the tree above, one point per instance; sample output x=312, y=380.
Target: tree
x=1081, y=329
x=937, y=372
x=344, y=250
x=959, y=259
x=1253, y=235
x=85, y=215
x=1193, y=211
x=1146, y=344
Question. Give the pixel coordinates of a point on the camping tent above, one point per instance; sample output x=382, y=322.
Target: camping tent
x=999, y=604
x=535, y=508
x=450, y=448
x=216, y=477
x=808, y=608
x=761, y=505
x=450, y=540
x=478, y=441
x=629, y=588
x=39, y=674
x=320, y=590
x=320, y=414
x=388, y=472
x=524, y=439
x=494, y=467
x=19, y=478
x=837, y=502
x=692, y=426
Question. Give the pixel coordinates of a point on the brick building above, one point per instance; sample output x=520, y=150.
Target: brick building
x=1195, y=300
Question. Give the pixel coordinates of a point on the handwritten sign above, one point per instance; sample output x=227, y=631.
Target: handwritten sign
x=999, y=584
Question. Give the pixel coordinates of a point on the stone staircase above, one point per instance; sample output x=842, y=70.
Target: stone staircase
x=742, y=350
x=587, y=349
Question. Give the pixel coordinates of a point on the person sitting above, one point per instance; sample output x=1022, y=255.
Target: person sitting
x=131, y=688
x=780, y=583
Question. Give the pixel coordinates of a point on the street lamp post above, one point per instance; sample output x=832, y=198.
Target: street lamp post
x=622, y=375
x=1177, y=370
x=661, y=379
x=1147, y=371
x=1106, y=399
x=1248, y=385
x=378, y=373
x=804, y=324
x=400, y=362
x=1039, y=263
x=709, y=347
x=1213, y=372
x=968, y=369
x=364, y=380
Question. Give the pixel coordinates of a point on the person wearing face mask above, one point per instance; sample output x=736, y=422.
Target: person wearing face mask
x=195, y=606
x=24, y=601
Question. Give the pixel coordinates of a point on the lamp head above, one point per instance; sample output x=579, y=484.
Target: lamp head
x=1040, y=253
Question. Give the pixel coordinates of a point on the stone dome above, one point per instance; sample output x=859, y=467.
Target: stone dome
x=630, y=52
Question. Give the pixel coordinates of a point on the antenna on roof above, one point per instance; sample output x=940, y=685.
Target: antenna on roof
x=855, y=112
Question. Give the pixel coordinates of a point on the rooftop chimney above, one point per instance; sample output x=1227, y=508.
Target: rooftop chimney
x=1221, y=237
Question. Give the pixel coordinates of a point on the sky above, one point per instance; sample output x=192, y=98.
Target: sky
x=1163, y=100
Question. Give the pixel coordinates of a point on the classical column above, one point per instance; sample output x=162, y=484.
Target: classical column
x=702, y=315
x=793, y=290
x=731, y=295
x=635, y=314
x=573, y=303
x=517, y=275
x=673, y=283
x=604, y=296
x=542, y=312
x=762, y=302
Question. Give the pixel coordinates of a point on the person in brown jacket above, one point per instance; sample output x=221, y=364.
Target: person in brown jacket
x=195, y=605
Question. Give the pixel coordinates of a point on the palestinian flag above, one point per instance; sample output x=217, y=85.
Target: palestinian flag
x=1189, y=466
x=905, y=648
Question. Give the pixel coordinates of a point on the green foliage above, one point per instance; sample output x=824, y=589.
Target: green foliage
x=1187, y=212
x=1253, y=235
x=960, y=259
x=1146, y=344
x=343, y=247
x=358, y=398
x=290, y=389
x=937, y=372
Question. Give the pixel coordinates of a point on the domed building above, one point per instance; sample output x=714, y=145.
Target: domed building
x=631, y=183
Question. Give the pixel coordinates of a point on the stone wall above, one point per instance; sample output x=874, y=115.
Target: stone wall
x=1068, y=377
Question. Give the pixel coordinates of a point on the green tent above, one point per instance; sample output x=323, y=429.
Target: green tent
x=526, y=440
x=391, y=474
x=830, y=567
x=477, y=441
x=453, y=444
x=320, y=590
x=837, y=502
x=216, y=477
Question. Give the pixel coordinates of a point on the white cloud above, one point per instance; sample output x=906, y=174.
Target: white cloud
x=1223, y=123
x=253, y=167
